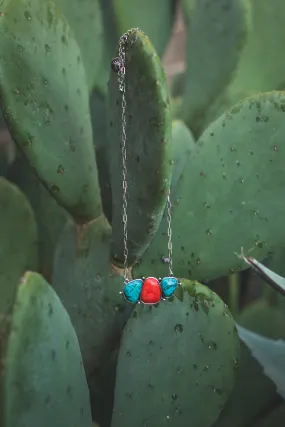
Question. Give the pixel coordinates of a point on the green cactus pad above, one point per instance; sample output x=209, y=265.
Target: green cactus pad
x=49, y=215
x=110, y=38
x=275, y=418
x=45, y=102
x=241, y=409
x=18, y=247
x=149, y=146
x=89, y=287
x=177, y=362
x=215, y=39
x=99, y=114
x=155, y=18
x=276, y=263
x=85, y=18
x=43, y=381
x=230, y=195
x=183, y=145
x=187, y=7
x=265, y=40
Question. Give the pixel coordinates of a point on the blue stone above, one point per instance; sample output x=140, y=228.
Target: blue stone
x=132, y=290
x=168, y=286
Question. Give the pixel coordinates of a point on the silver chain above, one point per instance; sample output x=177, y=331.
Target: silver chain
x=119, y=66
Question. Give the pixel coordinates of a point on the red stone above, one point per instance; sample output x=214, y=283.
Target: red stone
x=151, y=291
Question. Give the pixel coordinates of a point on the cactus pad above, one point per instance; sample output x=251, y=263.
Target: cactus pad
x=174, y=358
x=85, y=18
x=18, y=247
x=215, y=39
x=230, y=194
x=265, y=40
x=241, y=409
x=183, y=145
x=45, y=102
x=149, y=146
x=83, y=273
x=43, y=381
x=49, y=215
x=155, y=18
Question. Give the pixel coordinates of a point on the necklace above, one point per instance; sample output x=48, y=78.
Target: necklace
x=146, y=290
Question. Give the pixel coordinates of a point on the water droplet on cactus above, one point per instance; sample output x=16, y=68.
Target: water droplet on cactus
x=27, y=15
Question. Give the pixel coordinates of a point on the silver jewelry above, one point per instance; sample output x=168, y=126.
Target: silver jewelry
x=148, y=290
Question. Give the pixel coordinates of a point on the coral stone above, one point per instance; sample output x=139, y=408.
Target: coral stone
x=151, y=291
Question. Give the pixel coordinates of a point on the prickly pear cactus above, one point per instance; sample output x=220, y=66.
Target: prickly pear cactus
x=241, y=409
x=215, y=40
x=83, y=273
x=155, y=18
x=49, y=215
x=234, y=178
x=265, y=40
x=44, y=97
x=43, y=381
x=83, y=14
x=110, y=38
x=183, y=145
x=18, y=247
x=149, y=146
x=174, y=358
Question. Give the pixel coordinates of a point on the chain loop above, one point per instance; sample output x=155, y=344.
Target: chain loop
x=119, y=66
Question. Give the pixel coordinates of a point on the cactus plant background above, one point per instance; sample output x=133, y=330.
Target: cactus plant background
x=209, y=126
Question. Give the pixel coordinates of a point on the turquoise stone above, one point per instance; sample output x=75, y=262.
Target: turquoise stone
x=132, y=290
x=168, y=286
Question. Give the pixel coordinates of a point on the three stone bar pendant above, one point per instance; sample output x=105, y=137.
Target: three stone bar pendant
x=150, y=290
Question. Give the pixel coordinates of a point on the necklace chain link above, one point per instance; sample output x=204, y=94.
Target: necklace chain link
x=120, y=67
